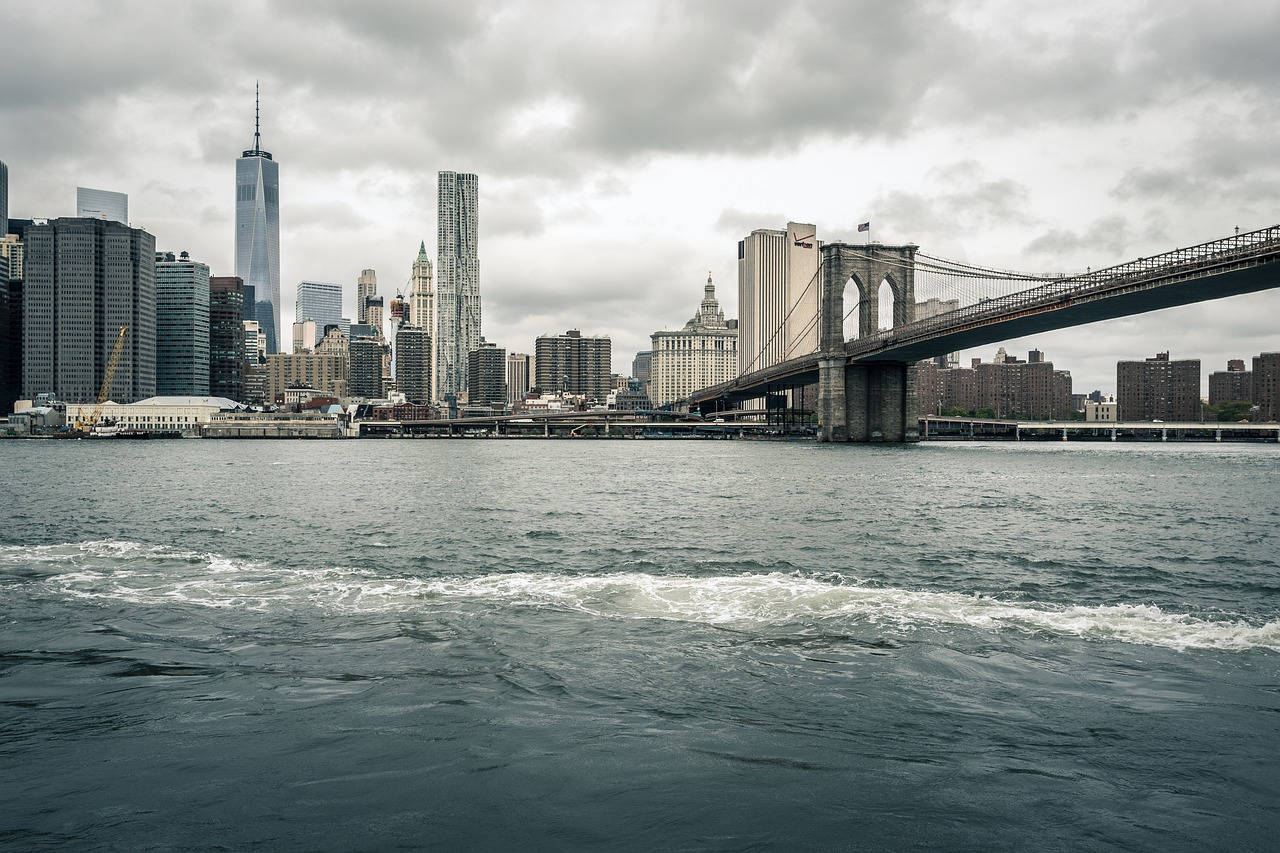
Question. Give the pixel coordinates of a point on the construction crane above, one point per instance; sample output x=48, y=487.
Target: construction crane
x=105, y=390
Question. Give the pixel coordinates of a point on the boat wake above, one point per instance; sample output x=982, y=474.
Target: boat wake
x=149, y=575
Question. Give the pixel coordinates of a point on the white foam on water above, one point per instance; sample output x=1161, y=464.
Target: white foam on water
x=148, y=575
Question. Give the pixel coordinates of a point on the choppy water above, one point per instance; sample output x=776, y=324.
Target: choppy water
x=576, y=645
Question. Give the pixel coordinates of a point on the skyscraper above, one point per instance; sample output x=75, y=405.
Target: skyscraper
x=320, y=301
x=366, y=288
x=258, y=232
x=182, y=326
x=422, y=294
x=102, y=204
x=777, y=296
x=226, y=337
x=413, y=364
x=457, y=327
x=85, y=279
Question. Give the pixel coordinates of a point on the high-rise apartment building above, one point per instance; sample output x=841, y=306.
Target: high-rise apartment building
x=413, y=364
x=366, y=288
x=575, y=364
x=1004, y=388
x=778, y=291
x=519, y=376
x=365, y=377
x=226, y=337
x=1233, y=385
x=422, y=294
x=102, y=204
x=319, y=301
x=1266, y=386
x=487, y=375
x=258, y=233
x=182, y=326
x=1158, y=389
x=703, y=353
x=457, y=298
x=85, y=280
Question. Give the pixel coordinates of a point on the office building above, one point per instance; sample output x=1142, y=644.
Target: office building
x=574, y=364
x=102, y=204
x=85, y=280
x=703, y=353
x=366, y=288
x=487, y=375
x=304, y=336
x=778, y=291
x=325, y=372
x=1266, y=385
x=1158, y=389
x=182, y=326
x=457, y=298
x=1233, y=385
x=258, y=234
x=319, y=301
x=519, y=376
x=226, y=337
x=413, y=364
x=10, y=341
x=422, y=295
x=4, y=197
x=641, y=365
x=365, y=378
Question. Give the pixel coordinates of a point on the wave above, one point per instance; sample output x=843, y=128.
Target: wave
x=160, y=575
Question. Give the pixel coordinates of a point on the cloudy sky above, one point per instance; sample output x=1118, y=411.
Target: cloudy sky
x=624, y=148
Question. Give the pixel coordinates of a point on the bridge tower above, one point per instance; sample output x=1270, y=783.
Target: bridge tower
x=865, y=400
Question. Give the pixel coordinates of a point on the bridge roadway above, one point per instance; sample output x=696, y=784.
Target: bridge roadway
x=1245, y=263
x=940, y=428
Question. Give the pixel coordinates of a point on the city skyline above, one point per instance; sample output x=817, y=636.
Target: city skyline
x=622, y=162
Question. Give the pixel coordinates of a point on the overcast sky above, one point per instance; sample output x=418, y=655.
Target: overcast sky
x=624, y=148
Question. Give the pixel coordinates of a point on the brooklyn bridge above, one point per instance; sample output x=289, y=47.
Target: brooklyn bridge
x=866, y=380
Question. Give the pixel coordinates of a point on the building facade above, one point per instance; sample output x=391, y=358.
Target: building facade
x=703, y=353
x=778, y=292
x=85, y=280
x=365, y=378
x=487, y=375
x=1233, y=385
x=226, y=337
x=325, y=372
x=1266, y=386
x=422, y=293
x=320, y=301
x=413, y=364
x=366, y=288
x=1158, y=389
x=574, y=364
x=183, y=299
x=1004, y=388
x=457, y=298
x=519, y=376
x=258, y=235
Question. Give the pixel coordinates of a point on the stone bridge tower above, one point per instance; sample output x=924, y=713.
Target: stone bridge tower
x=865, y=400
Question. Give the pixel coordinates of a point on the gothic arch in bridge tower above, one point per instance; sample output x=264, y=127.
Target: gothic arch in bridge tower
x=843, y=264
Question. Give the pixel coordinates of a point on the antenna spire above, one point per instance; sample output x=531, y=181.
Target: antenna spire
x=257, y=135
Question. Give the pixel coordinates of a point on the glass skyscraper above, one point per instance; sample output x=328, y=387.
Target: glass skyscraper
x=319, y=301
x=457, y=327
x=258, y=234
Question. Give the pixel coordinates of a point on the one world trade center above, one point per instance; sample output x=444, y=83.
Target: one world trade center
x=258, y=234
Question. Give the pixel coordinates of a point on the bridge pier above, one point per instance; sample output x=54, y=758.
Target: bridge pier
x=868, y=401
